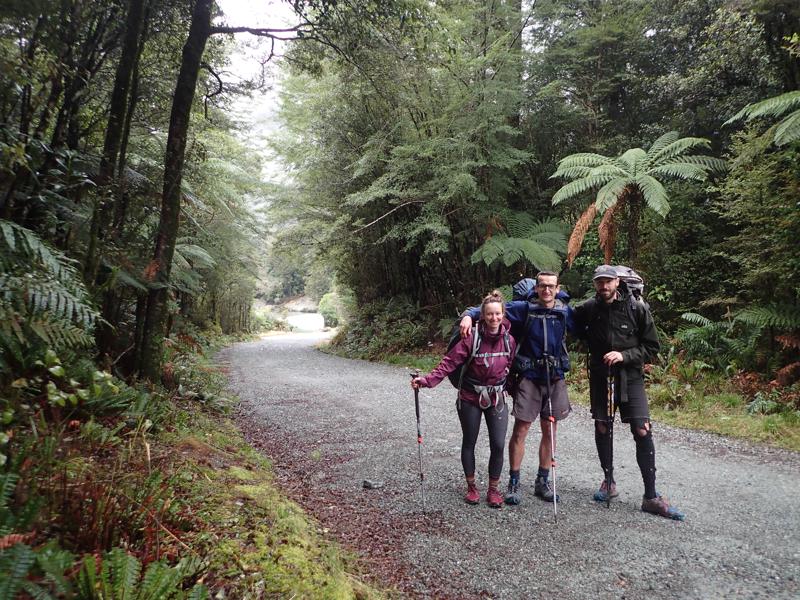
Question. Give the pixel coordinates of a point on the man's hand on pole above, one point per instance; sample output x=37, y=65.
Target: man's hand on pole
x=466, y=325
x=612, y=358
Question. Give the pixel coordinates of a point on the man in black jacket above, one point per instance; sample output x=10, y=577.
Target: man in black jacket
x=621, y=336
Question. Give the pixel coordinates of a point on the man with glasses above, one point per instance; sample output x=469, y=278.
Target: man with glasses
x=540, y=328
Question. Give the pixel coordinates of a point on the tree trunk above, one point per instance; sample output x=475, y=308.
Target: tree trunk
x=150, y=353
x=635, y=202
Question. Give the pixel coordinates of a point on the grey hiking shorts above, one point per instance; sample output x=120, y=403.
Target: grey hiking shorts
x=530, y=400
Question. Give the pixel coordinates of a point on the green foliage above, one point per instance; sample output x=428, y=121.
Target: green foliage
x=382, y=328
x=328, y=308
x=631, y=178
x=42, y=300
x=119, y=578
x=787, y=130
x=537, y=243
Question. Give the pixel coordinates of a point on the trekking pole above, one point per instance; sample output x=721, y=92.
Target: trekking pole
x=419, y=441
x=610, y=425
x=552, y=420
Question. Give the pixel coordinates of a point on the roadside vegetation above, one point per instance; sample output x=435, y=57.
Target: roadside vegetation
x=117, y=491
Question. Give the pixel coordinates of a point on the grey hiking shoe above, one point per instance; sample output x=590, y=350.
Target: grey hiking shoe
x=544, y=489
x=660, y=506
x=602, y=494
x=513, y=495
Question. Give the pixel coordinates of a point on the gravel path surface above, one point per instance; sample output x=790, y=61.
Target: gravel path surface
x=329, y=423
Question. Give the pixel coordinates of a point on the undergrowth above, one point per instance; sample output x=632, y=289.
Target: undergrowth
x=115, y=491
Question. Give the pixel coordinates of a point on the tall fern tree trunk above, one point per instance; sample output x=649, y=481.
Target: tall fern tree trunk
x=635, y=203
x=149, y=354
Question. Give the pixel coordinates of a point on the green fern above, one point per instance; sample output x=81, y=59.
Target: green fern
x=42, y=296
x=781, y=317
x=788, y=129
x=15, y=564
x=539, y=243
x=119, y=579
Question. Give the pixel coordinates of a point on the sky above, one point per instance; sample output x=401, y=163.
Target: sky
x=258, y=112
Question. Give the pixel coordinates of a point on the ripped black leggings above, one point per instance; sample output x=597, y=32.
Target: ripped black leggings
x=496, y=422
x=645, y=452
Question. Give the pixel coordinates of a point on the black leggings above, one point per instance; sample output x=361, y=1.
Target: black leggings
x=496, y=422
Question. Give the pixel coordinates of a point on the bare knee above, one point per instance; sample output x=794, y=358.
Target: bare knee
x=521, y=429
x=641, y=429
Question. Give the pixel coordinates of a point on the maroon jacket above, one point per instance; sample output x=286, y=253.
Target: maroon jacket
x=497, y=369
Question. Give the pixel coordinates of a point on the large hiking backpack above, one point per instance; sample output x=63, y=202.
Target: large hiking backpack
x=632, y=282
x=457, y=376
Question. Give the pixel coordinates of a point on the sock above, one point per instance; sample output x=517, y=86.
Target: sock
x=514, y=475
x=543, y=474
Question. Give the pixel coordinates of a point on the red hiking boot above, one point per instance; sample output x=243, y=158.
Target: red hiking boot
x=473, y=496
x=493, y=497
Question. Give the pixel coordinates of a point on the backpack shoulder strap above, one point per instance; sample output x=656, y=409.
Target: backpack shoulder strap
x=476, y=343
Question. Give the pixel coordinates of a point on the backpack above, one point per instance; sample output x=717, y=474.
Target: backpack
x=457, y=376
x=631, y=281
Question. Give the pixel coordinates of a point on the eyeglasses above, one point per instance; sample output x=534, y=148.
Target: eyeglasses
x=546, y=286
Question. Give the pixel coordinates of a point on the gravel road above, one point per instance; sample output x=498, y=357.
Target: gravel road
x=329, y=423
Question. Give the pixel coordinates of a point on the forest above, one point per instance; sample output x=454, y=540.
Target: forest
x=434, y=151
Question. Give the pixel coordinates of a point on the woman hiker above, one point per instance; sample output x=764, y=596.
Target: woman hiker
x=486, y=362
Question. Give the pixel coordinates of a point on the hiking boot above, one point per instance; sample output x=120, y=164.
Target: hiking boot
x=660, y=506
x=494, y=498
x=544, y=489
x=473, y=496
x=513, y=495
x=602, y=494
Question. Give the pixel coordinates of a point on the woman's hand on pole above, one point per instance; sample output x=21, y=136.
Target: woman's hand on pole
x=417, y=382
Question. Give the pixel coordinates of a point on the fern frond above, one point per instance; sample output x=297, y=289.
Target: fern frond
x=781, y=317
x=664, y=141
x=580, y=186
x=119, y=574
x=675, y=149
x=579, y=232
x=159, y=581
x=655, y=196
x=15, y=563
x=710, y=163
x=610, y=193
x=697, y=319
x=198, y=592
x=770, y=107
x=788, y=130
x=678, y=170
x=581, y=159
x=511, y=250
x=518, y=224
x=632, y=160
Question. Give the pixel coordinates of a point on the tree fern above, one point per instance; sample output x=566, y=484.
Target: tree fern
x=788, y=129
x=630, y=178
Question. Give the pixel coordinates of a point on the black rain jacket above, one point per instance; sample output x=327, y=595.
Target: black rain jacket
x=625, y=325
